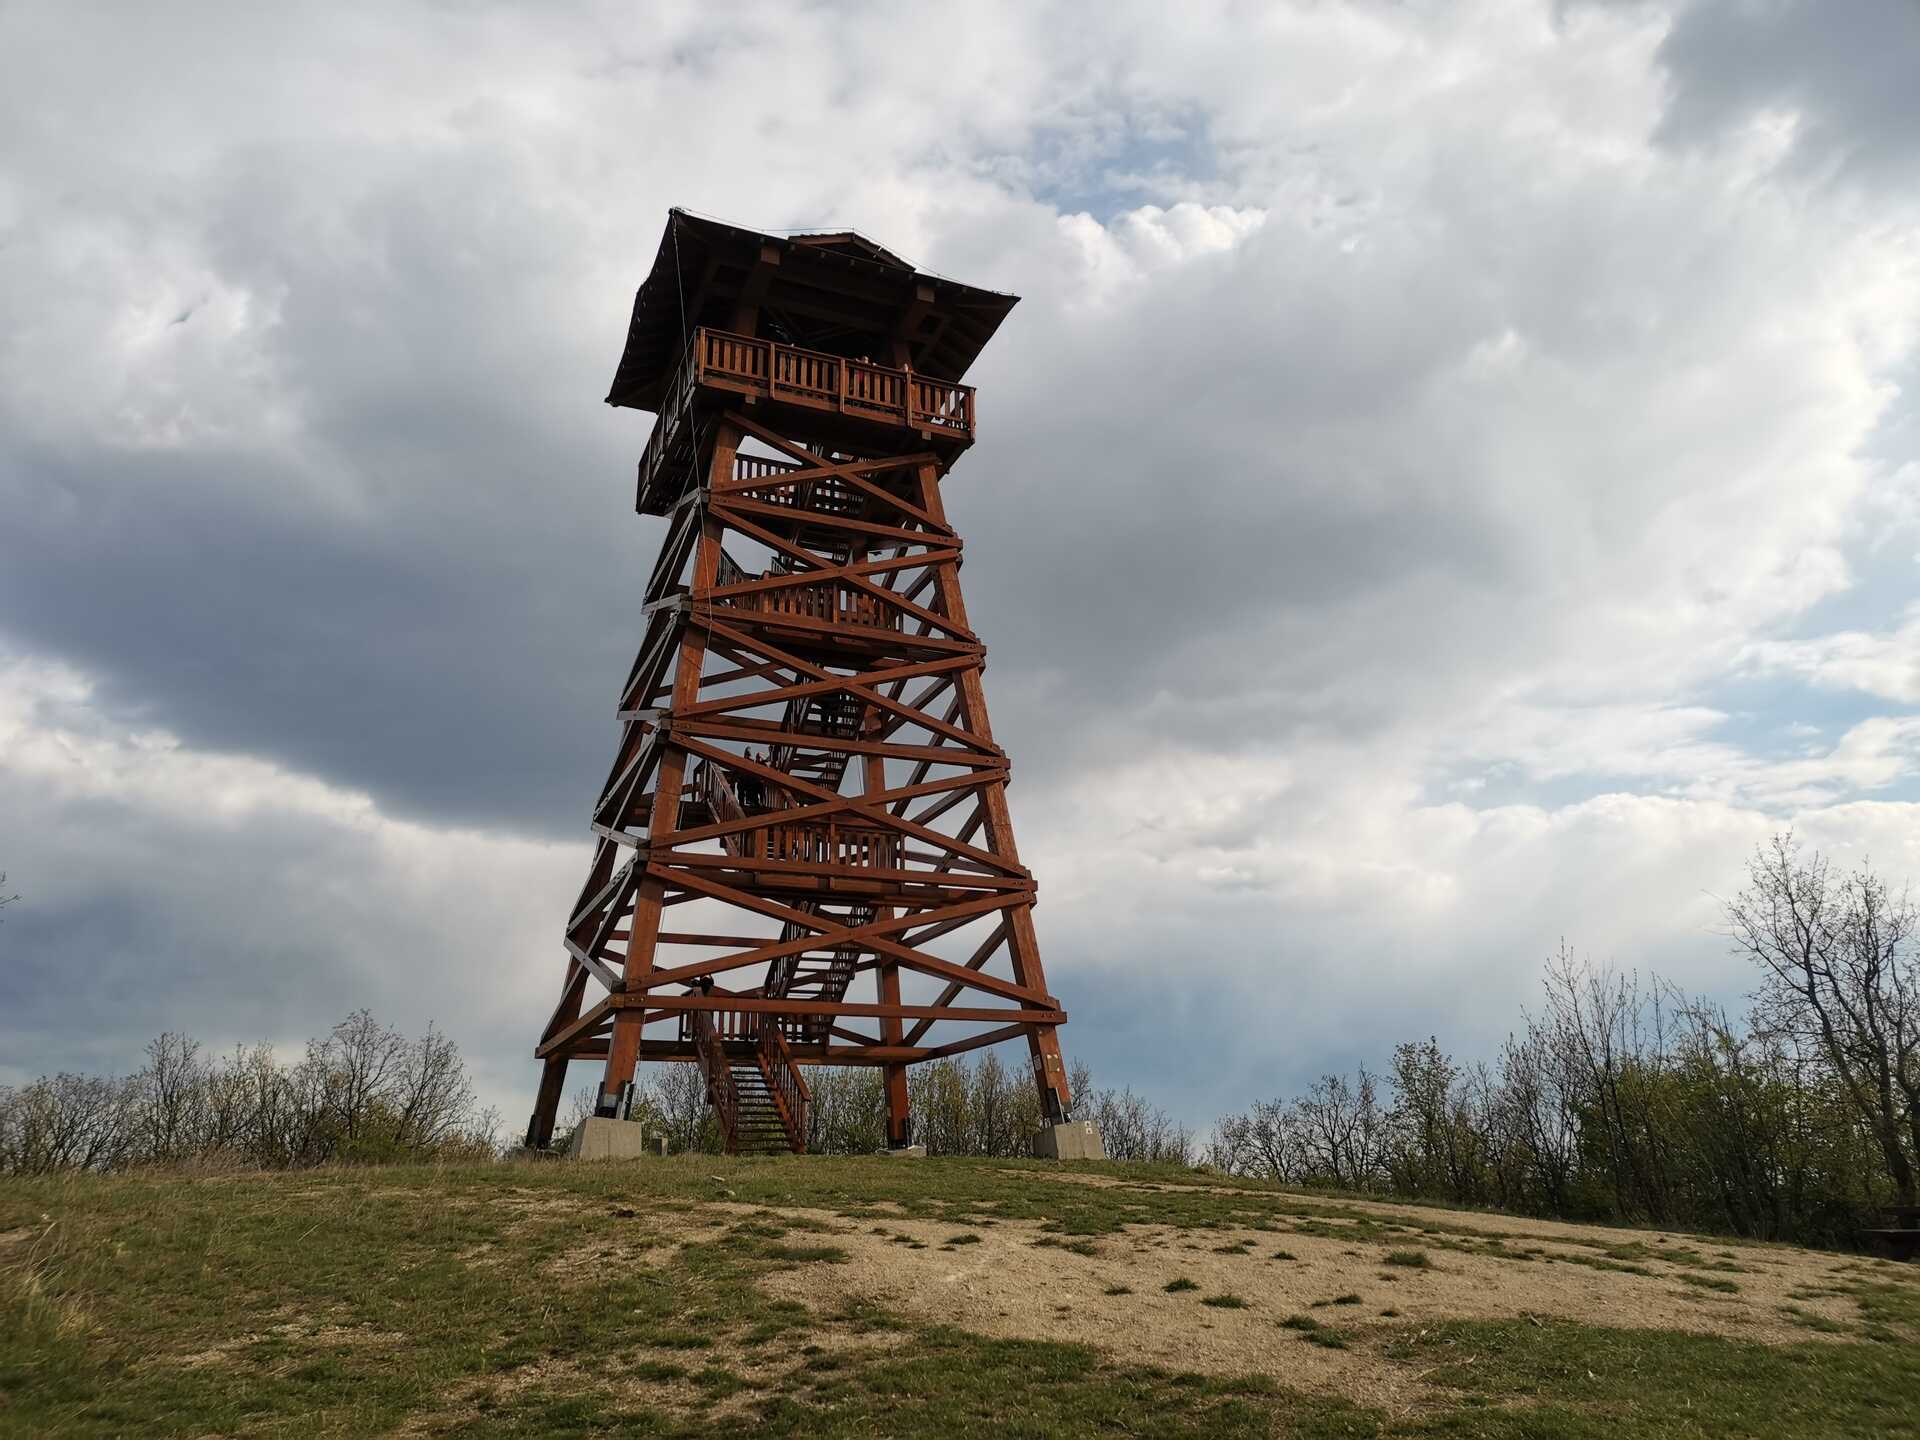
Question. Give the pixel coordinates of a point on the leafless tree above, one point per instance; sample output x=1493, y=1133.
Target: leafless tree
x=66, y=1122
x=1536, y=1125
x=1263, y=1142
x=170, y=1095
x=432, y=1097
x=1343, y=1130
x=362, y=1060
x=1133, y=1129
x=1838, y=973
x=362, y=1093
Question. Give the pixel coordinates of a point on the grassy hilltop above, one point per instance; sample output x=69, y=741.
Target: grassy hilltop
x=842, y=1297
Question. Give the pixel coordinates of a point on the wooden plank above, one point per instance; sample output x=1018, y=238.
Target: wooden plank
x=590, y=1021
x=674, y=1004
x=600, y=971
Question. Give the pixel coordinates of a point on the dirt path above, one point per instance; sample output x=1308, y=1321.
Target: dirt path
x=1017, y=1280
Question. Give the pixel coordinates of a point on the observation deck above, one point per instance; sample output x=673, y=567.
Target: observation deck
x=838, y=397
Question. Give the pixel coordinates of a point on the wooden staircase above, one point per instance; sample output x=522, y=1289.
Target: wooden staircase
x=758, y=1095
x=823, y=974
x=760, y=1098
x=759, y=1127
x=835, y=715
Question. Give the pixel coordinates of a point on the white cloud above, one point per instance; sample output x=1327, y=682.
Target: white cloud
x=1126, y=251
x=1886, y=665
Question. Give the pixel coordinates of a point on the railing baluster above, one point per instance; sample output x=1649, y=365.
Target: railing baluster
x=831, y=382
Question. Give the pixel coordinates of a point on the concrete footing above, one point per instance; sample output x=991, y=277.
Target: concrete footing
x=1075, y=1141
x=906, y=1152
x=600, y=1138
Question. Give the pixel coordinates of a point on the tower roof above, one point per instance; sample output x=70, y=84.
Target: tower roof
x=835, y=291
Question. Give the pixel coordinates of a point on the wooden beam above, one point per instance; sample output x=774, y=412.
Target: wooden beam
x=674, y=1004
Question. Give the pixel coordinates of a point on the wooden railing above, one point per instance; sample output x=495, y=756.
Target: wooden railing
x=831, y=496
x=723, y=804
x=729, y=1027
x=670, y=439
x=780, y=971
x=787, y=1084
x=833, y=602
x=711, y=1031
x=713, y=1064
x=810, y=842
x=751, y=366
x=759, y=467
x=829, y=382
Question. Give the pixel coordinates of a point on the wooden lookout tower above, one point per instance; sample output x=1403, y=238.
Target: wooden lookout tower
x=804, y=854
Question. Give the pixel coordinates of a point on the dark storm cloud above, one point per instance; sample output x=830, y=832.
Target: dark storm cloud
x=428, y=591
x=1845, y=73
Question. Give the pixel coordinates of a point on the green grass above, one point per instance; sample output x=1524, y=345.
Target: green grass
x=574, y=1300
x=1596, y=1262
x=1813, y=1321
x=1411, y=1259
x=1709, y=1282
x=1225, y=1302
x=1174, y=1287
x=1581, y=1381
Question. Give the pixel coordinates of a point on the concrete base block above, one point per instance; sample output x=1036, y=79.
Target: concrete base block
x=601, y=1138
x=906, y=1152
x=1075, y=1141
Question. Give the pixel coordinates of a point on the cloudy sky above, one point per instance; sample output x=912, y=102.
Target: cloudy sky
x=1453, y=483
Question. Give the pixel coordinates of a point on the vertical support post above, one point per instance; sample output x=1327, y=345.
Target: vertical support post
x=546, y=1102
x=553, y=1074
x=899, y=1116
x=623, y=1054
x=1023, y=945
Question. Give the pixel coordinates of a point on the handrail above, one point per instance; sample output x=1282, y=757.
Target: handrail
x=721, y=1092
x=666, y=425
x=759, y=467
x=784, y=1082
x=833, y=601
x=812, y=842
x=815, y=842
x=856, y=388
x=722, y=802
x=842, y=959
x=832, y=382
